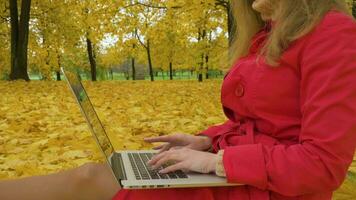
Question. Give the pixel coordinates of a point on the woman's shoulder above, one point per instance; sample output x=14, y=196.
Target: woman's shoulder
x=336, y=20
x=335, y=27
x=333, y=39
x=331, y=44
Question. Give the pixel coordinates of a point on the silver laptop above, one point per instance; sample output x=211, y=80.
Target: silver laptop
x=129, y=167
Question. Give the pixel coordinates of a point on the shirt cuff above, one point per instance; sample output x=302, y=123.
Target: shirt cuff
x=219, y=168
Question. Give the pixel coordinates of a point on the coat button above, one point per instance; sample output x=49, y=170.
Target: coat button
x=239, y=91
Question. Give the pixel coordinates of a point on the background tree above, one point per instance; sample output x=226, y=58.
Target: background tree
x=231, y=29
x=95, y=20
x=4, y=39
x=169, y=42
x=49, y=36
x=101, y=35
x=19, y=38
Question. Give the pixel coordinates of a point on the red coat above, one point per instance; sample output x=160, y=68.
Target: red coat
x=291, y=132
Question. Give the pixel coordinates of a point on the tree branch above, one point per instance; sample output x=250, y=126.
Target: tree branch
x=151, y=6
x=139, y=40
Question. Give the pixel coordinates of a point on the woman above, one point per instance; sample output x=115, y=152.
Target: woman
x=290, y=98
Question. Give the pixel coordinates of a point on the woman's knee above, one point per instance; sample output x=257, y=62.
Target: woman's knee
x=96, y=178
x=87, y=173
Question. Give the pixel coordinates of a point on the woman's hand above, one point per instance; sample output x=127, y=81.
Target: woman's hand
x=185, y=159
x=200, y=143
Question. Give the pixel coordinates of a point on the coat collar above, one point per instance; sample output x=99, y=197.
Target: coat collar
x=260, y=38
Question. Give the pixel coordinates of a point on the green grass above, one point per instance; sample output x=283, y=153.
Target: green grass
x=185, y=75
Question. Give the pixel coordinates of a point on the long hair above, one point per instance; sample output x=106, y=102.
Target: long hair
x=293, y=20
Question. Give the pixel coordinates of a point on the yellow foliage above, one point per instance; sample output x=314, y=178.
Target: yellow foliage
x=4, y=42
x=42, y=130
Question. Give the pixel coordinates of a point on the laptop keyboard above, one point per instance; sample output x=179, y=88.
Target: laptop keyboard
x=144, y=172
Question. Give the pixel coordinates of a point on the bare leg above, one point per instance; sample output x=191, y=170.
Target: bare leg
x=88, y=182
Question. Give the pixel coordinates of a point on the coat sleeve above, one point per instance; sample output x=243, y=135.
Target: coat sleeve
x=320, y=160
x=214, y=133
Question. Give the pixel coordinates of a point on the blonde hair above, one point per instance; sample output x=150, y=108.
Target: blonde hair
x=293, y=19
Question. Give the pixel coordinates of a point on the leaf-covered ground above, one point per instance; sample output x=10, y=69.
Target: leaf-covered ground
x=42, y=130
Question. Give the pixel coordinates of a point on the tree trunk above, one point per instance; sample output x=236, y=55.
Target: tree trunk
x=133, y=68
x=19, y=39
x=231, y=27
x=201, y=36
x=111, y=74
x=133, y=64
x=58, y=75
x=91, y=59
x=59, y=67
x=200, y=77
x=170, y=71
x=149, y=60
x=201, y=67
x=207, y=67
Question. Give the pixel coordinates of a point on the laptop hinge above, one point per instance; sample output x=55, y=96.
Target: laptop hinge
x=118, y=166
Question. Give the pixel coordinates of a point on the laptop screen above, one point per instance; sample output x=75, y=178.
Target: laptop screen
x=88, y=110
